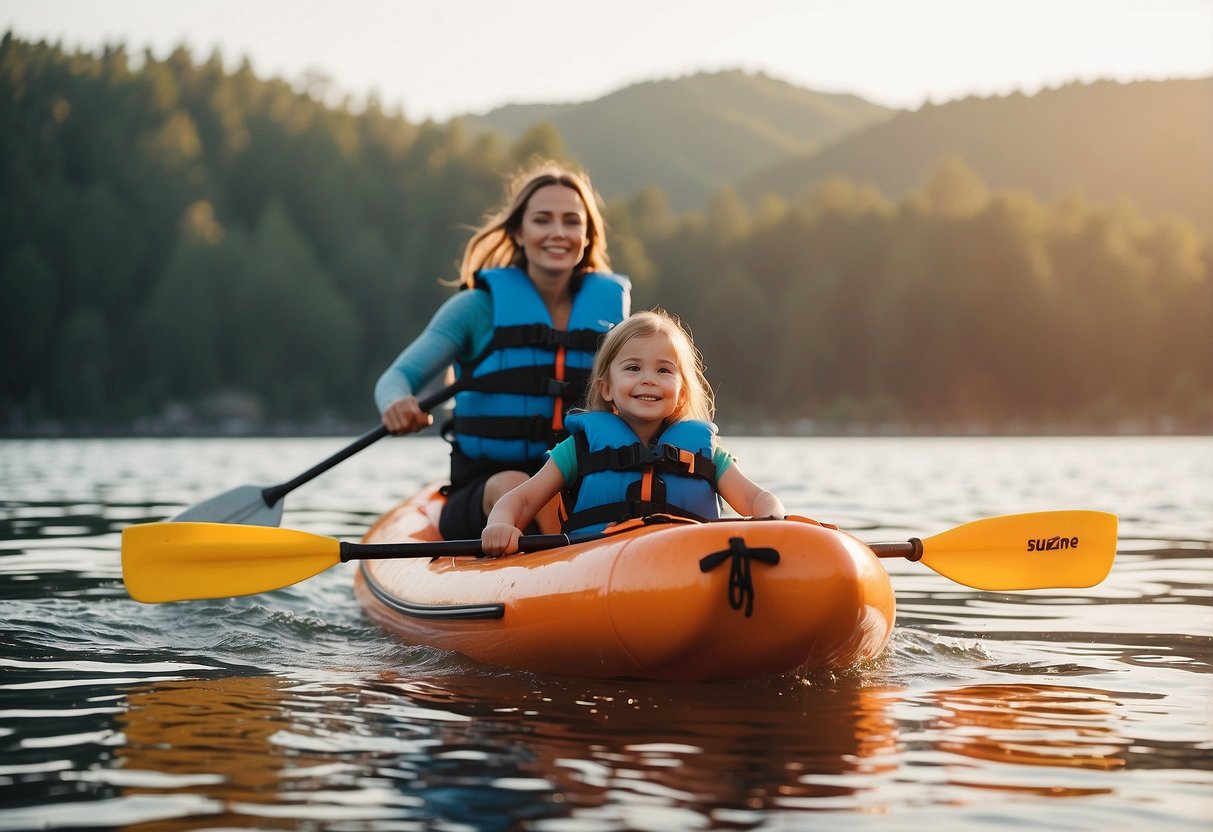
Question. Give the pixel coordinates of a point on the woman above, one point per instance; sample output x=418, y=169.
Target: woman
x=522, y=338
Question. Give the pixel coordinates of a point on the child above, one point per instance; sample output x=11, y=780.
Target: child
x=645, y=445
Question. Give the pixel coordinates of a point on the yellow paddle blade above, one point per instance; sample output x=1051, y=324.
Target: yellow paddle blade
x=1026, y=551
x=183, y=561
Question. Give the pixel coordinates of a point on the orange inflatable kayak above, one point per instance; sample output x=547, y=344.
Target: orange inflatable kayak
x=669, y=601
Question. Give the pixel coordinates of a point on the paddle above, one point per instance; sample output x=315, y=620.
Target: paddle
x=182, y=561
x=258, y=505
x=1038, y=550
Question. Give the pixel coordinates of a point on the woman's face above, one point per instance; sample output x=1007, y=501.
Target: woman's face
x=554, y=231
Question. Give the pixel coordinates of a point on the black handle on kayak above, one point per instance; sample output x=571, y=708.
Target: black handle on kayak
x=274, y=493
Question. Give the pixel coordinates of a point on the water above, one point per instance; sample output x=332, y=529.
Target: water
x=1052, y=709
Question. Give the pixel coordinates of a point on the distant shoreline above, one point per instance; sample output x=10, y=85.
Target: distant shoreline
x=802, y=428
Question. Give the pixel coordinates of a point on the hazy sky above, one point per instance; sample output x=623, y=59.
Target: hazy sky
x=444, y=57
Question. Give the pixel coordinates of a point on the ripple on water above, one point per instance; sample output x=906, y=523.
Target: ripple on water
x=1074, y=708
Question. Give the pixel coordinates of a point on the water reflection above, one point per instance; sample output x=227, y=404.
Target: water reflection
x=633, y=755
x=491, y=751
x=212, y=740
x=1041, y=725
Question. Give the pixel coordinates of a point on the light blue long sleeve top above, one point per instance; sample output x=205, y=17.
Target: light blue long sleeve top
x=459, y=331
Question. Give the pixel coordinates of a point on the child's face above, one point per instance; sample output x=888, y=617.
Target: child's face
x=644, y=382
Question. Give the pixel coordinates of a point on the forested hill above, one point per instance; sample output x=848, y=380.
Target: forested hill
x=184, y=246
x=1150, y=142
x=176, y=234
x=690, y=136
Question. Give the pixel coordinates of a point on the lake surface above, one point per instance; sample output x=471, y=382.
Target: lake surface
x=1050, y=709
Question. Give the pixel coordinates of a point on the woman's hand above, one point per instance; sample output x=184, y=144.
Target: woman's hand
x=405, y=416
x=499, y=539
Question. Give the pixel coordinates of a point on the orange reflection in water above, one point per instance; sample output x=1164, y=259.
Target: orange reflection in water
x=1050, y=726
x=211, y=739
x=263, y=753
x=255, y=753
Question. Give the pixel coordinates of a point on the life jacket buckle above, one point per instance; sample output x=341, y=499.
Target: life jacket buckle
x=633, y=456
x=554, y=387
x=541, y=335
x=671, y=458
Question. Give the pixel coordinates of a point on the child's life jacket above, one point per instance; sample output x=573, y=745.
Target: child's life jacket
x=619, y=478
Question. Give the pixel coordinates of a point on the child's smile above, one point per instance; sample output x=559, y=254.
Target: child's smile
x=644, y=383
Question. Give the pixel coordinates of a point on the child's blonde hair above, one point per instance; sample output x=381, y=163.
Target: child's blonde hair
x=696, y=401
x=493, y=245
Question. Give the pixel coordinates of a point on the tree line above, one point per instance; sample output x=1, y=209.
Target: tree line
x=180, y=241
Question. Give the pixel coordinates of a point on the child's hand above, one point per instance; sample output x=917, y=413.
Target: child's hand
x=748, y=499
x=767, y=504
x=499, y=539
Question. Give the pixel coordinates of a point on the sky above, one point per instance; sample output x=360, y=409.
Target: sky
x=442, y=58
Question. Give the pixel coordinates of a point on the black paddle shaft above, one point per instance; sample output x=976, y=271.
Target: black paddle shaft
x=910, y=551
x=538, y=543
x=273, y=493
x=444, y=548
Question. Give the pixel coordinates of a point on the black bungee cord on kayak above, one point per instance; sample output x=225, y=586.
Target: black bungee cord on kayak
x=741, y=587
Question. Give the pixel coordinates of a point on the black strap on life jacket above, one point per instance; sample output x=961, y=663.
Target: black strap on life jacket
x=636, y=457
x=542, y=335
x=530, y=381
x=530, y=428
x=525, y=381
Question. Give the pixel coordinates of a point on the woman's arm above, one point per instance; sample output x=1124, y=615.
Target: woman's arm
x=747, y=498
x=456, y=331
x=515, y=511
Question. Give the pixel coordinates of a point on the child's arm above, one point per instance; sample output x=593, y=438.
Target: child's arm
x=746, y=498
x=515, y=511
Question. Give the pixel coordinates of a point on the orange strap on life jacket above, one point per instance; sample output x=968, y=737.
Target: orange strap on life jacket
x=558, y=404
x=646, y=485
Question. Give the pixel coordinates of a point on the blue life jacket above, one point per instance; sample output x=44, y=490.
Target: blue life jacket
x=515, y=394
x=618, y=478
